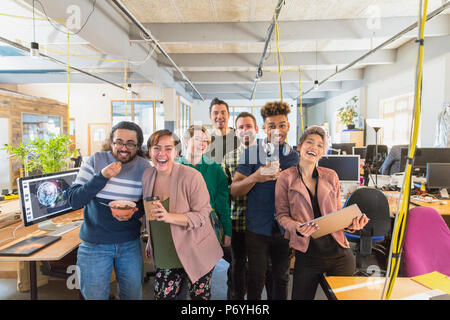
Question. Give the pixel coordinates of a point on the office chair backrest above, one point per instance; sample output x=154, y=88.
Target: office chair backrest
x=426, y=246
x=376, y=159
x=334, y=151
x=77, y=161
x=375, y=205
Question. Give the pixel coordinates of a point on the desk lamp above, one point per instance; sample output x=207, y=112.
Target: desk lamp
x=376, y=124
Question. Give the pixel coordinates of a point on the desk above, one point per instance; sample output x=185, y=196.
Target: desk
x=368, y=288
x=443, y=209
x=56, y=251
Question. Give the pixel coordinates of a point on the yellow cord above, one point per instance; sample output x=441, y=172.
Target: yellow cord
x=22, y=17
x=67, y=54
x=399, y=228
x=300, y=97
x=277, y=35
x=125, y=85
x=68, y=80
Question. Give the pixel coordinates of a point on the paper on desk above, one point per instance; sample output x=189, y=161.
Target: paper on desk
x=434, y=280
x=425, y=295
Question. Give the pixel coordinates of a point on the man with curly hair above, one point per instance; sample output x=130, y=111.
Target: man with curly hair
x=259, y=167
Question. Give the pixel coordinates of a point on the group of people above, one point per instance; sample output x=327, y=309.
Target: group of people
x=229, y=195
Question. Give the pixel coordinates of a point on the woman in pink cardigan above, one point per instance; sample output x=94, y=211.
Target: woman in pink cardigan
x=305, y=192
x=182, y=242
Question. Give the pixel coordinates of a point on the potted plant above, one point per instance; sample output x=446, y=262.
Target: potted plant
x=348, y=113
x=45, y=155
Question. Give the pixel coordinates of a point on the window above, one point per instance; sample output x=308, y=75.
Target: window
x=120, y=112
x=397, y=115
x=149, y=115
x=183, y=118
x=339, y=126
x=35, y=125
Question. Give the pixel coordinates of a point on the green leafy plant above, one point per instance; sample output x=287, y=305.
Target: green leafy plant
x=348, y=113
x=46, y=155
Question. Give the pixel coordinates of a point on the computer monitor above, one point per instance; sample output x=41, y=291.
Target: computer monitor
x=438, y=175
x=346, y=148
x=361, y=151
x=423, y=156
x=43, y=197
x=346, y=166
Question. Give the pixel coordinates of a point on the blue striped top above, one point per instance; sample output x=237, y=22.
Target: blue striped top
x=91, y=187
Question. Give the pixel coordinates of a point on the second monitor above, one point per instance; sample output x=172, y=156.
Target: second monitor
x=346, y=148
x=346, y=166
x=361, y=151
x=423, y=156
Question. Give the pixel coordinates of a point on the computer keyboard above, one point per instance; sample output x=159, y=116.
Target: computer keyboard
x=65, y=228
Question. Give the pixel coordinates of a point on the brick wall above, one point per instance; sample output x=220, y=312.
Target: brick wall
x=13, y=105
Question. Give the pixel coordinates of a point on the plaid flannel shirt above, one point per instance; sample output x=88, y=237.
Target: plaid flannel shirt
x=238, y=204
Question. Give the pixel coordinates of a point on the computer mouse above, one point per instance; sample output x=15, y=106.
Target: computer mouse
x=443, y=202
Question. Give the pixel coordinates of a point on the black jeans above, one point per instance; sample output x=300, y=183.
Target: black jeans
x=228, y=258
x=308, y=271
x=238, y=265
x=261, y=250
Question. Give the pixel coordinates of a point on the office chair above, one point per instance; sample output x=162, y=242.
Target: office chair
x=77, y=161
x=334, y=151
x=426, y=246
x=374, y=160
x=375, y=205
x=391, y=164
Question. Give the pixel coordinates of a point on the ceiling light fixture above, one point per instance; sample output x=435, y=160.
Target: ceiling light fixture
x=34, y=47
x=34, y=50
x=316, y=82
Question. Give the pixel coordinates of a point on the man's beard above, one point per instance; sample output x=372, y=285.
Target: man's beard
x=250, y=141
x=116, y=156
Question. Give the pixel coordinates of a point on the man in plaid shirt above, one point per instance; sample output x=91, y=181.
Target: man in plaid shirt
x=246, y=130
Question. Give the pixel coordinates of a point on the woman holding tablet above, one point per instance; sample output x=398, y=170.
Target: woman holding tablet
x=306, y=192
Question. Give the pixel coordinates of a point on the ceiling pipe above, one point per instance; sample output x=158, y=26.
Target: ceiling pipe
x=148, y=34
x=390, y=40
x=266, y=44
x=21, y=47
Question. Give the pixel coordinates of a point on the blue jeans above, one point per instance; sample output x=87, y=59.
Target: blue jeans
x=95, y=263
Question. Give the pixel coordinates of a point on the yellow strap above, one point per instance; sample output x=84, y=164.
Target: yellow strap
x=399, y=227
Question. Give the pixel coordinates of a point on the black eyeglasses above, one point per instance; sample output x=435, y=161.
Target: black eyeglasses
x=128, y=145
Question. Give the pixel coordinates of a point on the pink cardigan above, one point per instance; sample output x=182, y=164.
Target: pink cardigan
x=197, y=246
x=293, y=204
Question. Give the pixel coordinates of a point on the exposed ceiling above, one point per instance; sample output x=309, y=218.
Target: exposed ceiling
x=217, y=44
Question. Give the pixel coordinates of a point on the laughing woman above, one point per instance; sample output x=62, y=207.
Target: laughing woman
x=182, y=241
x=305, y=192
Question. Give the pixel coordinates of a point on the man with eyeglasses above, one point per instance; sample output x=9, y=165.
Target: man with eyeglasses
x=109, y=240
